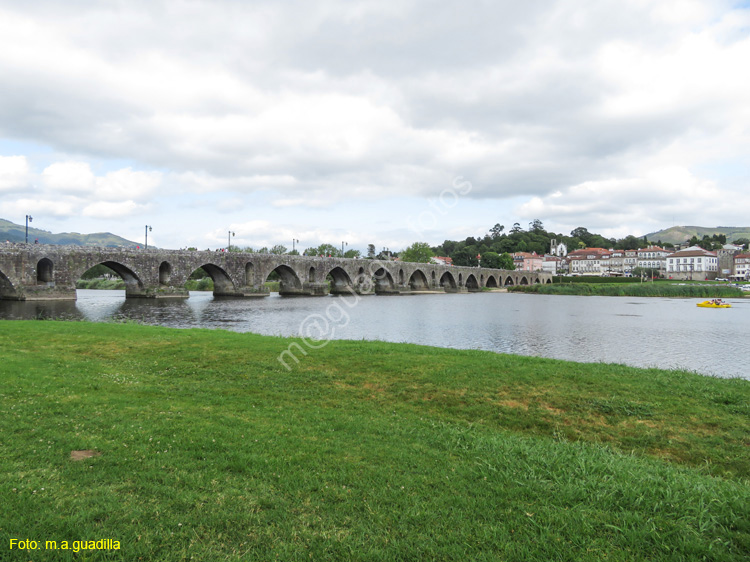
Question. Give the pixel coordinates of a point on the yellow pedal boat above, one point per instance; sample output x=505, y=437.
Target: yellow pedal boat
x=714, y=304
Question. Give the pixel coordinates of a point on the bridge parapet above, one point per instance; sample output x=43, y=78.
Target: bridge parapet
x=39, y=271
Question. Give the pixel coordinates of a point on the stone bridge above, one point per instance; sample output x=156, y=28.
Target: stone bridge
x=39, y=271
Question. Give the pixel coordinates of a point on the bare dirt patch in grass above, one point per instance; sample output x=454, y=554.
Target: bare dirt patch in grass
x=83, y=454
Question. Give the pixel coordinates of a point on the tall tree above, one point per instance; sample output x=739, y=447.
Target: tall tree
x=419, y=252
x=491, y=260
x=329, y=250
x=497, y=230
x=506, y=261
x=466, y=257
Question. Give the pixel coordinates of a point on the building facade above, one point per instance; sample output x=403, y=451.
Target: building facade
x=525, y=261
x=652, y=257
x=741, y=271
x=693, y=263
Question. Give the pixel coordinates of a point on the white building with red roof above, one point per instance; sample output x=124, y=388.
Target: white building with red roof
x=653, y=257
x=440, y=260
x=589, y=261
x=692, y=263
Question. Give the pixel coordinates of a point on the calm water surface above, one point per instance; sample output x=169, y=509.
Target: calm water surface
x=644, y=332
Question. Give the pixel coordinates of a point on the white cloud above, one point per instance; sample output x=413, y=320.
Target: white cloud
x=607, y=113
x=127, y=185
x=14, y=173
x=107, y=210
x=69, y=177
x=37, y=207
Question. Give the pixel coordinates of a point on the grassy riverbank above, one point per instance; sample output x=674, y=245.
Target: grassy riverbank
x=207, y=447
x=659, y=289
x=102, y=284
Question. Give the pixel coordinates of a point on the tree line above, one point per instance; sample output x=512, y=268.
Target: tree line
x=495, y=249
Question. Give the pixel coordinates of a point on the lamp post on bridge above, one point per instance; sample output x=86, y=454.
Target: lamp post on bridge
x=229, y=241
x=294, y=241
x=342, y=248
x=29, y=219
x=148, y=228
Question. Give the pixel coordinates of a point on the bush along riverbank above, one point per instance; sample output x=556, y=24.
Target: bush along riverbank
x=661, y=289
x=201, y=444
x=102, y=284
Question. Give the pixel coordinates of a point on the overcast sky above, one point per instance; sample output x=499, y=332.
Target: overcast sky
x=376, y=121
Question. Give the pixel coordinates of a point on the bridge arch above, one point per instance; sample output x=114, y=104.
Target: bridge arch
x=523, y=281
x=447, y=281
x=311, y=275
x=418, y=281
x=509, y=281
x=471, y=283
x=460, y=279
x=165, y=273
x=361, y=277
x=340, y=280
x=383, y=281
x=45, y=271
x=133, y=284
x=400, y=276
x=249, y=271
x=491, y=282
x=288, y=279
x=223, y=284
x=7, y=290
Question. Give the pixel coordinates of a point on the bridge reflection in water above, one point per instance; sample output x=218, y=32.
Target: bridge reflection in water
x=42, y=272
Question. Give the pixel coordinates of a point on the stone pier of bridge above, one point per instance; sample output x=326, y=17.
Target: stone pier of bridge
x=40, y=272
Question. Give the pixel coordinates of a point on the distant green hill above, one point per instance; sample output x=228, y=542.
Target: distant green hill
x=17, y=233
x=677, y=234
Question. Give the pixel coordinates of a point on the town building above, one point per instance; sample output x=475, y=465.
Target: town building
x=552, y=264
x=616, y=262
x=630, y=262
x=692, y=263
x=653, y=257
x=525, y=261
x=559, y=250
x=727, y=255
x=589, y=261
x=440, y=260
x=741, y=270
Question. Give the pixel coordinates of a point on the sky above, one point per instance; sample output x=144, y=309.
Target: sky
x=374, y=121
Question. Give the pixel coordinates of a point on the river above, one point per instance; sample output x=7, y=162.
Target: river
x=643, y=332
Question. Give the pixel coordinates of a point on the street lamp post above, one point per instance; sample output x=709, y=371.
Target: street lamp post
x=29, y=219
x=229, y=241
x=148, y=228
x=294, y=241
x=342, y=248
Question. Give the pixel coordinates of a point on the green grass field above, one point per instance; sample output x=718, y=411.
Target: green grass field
x=209, y=449
x=657, y=289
